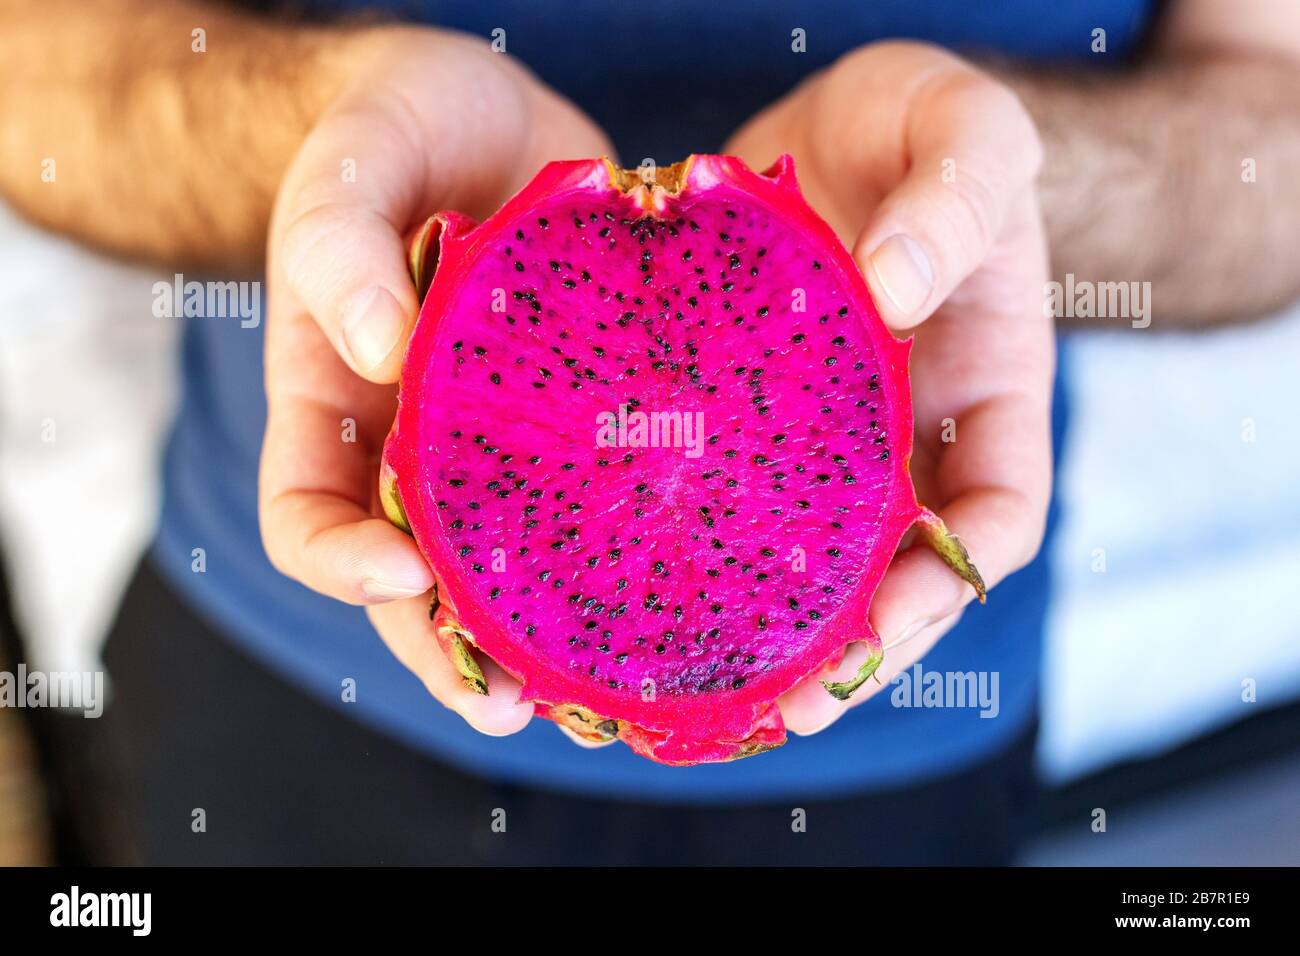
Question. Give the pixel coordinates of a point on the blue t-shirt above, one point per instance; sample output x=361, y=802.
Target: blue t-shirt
x=664, y=79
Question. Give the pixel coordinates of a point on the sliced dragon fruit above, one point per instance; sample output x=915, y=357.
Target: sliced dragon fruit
x=653, y=439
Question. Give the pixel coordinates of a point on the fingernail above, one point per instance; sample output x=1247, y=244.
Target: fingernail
x=902, y=272
x=386, y=591
x=372, y=326
x=909, y=632
x=581, y=741
x=835, y=710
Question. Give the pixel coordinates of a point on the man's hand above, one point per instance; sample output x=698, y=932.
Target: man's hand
x=430, y=121
x=925, y=167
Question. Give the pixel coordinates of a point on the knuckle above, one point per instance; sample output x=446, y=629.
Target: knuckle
x=980, y=94
x=1031, y=537
x=1023, y=142
x=275, y=550
x=969, y=210
x=310, y=246
x=916, y=54
x=280, y=552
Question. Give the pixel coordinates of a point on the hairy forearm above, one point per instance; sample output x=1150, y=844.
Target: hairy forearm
x=118, y=132
x=1180, y=173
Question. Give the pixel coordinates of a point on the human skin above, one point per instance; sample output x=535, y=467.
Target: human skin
x=1146, y=142
x=929, y=178
x=189, y=158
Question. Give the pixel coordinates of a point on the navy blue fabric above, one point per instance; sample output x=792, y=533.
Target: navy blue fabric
x=664, y=79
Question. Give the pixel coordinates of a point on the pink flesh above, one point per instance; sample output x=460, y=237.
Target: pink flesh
x=623, y=565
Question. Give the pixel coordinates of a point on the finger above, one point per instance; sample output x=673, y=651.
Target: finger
x=316, y=486
x=973, y=153
x=582, y=741
x=333, y=546
x=337, y=236
x=809, y=709
x=380, y=162
x=406, y=629
x=997, y=475
x=996, y=479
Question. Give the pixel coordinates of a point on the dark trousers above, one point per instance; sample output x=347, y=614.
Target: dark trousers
x=196, y=726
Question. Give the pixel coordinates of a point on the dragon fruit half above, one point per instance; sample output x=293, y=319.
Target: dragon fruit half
x=653, y=439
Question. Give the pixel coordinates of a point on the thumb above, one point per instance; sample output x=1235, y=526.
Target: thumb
x=973, y=152
x=336, y=239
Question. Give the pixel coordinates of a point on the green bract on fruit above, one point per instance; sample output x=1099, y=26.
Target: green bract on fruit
x=653, y=440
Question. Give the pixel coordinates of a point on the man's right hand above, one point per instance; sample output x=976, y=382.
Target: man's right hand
x=429, y=121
